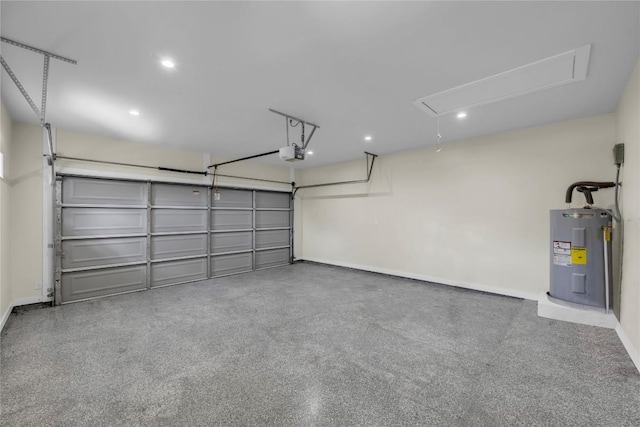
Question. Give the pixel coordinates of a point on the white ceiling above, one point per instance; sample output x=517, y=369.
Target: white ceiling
x=354, y=68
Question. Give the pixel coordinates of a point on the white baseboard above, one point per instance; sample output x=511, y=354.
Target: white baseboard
x=16, y=303
x=634, y=354
x=459, y=284
x=5, y=316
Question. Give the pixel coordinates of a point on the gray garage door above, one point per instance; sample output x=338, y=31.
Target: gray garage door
x=122, y=236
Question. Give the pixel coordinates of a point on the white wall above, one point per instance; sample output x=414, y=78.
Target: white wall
x=26, y=212
x=72, y=144
x=628, y=132
x=476, y=214
x=5, y=264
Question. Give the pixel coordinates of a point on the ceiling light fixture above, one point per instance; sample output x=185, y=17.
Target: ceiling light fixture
x=134, y=112
x=310, y=153
x=368, y=138
x=167, y=63
x=462, y=115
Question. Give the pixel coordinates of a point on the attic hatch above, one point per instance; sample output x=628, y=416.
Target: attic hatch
x=557, y=70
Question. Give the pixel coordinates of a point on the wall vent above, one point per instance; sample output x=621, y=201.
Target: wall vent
x=557, y=70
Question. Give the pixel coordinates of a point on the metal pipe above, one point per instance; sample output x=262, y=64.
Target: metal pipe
x=605, y=231
x=215, y=165
x=35, y=49
x=358, y=181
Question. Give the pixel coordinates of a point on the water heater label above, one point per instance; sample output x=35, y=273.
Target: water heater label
x=562, y=253
x=579, y=255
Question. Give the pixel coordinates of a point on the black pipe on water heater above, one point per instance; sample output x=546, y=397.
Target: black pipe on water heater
x=587, y=187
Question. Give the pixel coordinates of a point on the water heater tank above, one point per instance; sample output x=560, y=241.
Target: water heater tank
x=579, y=239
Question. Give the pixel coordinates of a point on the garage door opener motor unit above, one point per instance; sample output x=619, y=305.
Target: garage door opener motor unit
x=581, y=261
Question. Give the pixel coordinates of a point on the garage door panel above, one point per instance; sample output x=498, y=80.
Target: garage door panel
x=98, y=252
x=103, y=221
x=272, y=200
x=231, y=220
x=178, y=220
x=229, y=242
x=103, y=192
x=270, y=219
x=171, y=272
x=178, y=195
x=95, y=283
x=230, y=264
x=178, y=246
x=233, y=199
x=272, y=258
x=272, y=238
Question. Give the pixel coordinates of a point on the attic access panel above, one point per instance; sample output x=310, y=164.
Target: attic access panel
x=558, y=70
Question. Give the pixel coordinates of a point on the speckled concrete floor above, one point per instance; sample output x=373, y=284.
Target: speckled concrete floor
x=311, y=345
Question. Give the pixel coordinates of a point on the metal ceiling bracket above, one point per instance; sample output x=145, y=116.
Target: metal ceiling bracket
x=19, y=85
x=52, y=155
x=45, y=79
x=36, y=50
x=304, y=122
x=369, y=171
x=45, y=76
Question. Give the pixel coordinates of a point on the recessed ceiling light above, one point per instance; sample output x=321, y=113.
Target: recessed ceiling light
x=134, y=112
x=462, y=115
x=368, y=138
x=310, y=153
x=167, y=63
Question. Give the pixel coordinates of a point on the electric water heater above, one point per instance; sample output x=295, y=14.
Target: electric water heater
x=581, y=256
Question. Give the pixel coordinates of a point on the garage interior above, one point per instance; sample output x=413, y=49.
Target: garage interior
x=172, y=255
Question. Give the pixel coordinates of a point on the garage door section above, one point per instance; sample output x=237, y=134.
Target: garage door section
x=102, y=237
x=273, y=229
x=179, y=223
x=231, y=232
x=121, y=236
